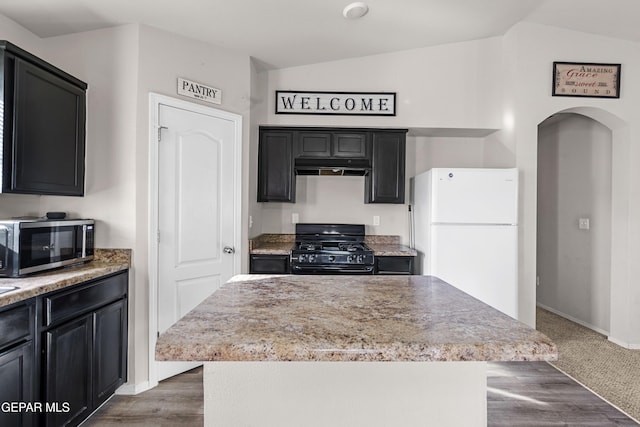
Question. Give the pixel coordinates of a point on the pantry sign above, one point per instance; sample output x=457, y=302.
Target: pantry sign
x=199, y=91
x=336, y=103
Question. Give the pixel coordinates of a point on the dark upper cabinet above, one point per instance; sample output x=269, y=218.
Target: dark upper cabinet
x=386, y=182
x=280, y=149
x=351, y=144
x=276, y=176
x=43, y=122
x=332, y=143
x=313, y=144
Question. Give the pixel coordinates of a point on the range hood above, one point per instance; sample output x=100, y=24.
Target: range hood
x=333, y=166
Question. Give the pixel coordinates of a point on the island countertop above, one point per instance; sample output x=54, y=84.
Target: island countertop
x=348, y=318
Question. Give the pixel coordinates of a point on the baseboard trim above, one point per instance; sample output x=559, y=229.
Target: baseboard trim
x=133, y=389
x=574, y=320
x=629, y=346
x=626, y=345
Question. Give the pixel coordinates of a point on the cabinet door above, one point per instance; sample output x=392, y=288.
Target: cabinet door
x=49, y=133
x=312, y=144
x=394, y=264
x=269, y=264
x=385, y=183
x=16, y=380
x=276, y=176
x=110, y=350
x=68, y=371
x=351, y=145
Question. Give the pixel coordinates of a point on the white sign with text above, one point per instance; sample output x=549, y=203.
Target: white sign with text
x=199, y=91
x=338, y=103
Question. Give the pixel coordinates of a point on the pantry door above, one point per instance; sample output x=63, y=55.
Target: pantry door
x=197, y=216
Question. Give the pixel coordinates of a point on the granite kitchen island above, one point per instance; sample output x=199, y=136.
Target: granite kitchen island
x=347, y=351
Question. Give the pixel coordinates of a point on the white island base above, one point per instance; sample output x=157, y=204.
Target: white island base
x=353, y=394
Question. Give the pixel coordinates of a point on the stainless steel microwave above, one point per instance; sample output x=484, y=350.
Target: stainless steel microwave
x=34, y=245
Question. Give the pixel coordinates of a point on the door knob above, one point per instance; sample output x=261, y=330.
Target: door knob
x=228, y=250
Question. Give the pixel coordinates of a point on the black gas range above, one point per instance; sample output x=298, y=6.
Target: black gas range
x=331, y=249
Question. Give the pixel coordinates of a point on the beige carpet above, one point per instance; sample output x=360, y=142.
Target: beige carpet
x=609, y=370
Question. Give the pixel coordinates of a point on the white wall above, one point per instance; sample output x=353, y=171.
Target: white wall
x=452, y=86
x=499, y=83
x=19, y=205
x=122, y=65
x=340, y=199
x=574, y=181
x=163, y=57
x=456, y=85
x=531, y=50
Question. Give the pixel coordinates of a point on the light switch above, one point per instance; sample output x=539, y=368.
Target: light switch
x=583, y=223
x=376, y=220
x=295, y=218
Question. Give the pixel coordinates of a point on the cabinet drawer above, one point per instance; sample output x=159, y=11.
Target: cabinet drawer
x=269, y=264
x=15, y=324
x=73, y=303
x=394, y=264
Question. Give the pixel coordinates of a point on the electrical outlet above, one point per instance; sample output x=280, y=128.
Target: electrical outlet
x=583, y=223
x=295, y=218
x=376, y=220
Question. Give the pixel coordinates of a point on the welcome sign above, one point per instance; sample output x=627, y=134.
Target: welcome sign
x=336, y=103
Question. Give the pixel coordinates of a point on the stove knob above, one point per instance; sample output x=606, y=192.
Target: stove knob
x=350, y=258
x=360, y=259
x=301, y=257
x=312, y=258
x=332, y=258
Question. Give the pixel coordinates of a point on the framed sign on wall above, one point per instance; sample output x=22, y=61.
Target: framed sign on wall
x=586, y=79
x=336, y=103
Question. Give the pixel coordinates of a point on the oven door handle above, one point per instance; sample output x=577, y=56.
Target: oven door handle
x=331, y=269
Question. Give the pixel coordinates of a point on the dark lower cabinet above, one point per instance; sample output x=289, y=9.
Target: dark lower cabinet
x=110, y=355
x=16, y=384
x=394, y=264
x=269, y=264
x=68, y=355
x=84, y=353
x=18, y=374
x=63, y=353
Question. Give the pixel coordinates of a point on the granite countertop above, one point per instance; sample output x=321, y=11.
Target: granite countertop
x=106, y=261
x=348, y=318
x=281, y=244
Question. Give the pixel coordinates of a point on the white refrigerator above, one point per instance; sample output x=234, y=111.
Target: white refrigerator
x=465, y=229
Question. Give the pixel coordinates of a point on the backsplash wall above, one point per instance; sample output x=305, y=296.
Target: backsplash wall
x=340, y=199
x=334, y=199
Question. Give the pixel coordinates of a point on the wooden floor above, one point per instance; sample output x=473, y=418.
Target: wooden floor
x=519, y=394
x=537, y=394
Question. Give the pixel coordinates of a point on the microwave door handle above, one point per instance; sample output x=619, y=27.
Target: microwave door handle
x=84, y=241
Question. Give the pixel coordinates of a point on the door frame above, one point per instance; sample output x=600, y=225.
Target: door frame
x=155, y=100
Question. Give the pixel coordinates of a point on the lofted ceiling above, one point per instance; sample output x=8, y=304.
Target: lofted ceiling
x=285, y=33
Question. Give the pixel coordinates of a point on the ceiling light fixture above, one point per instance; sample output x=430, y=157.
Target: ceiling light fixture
x=355, y=10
